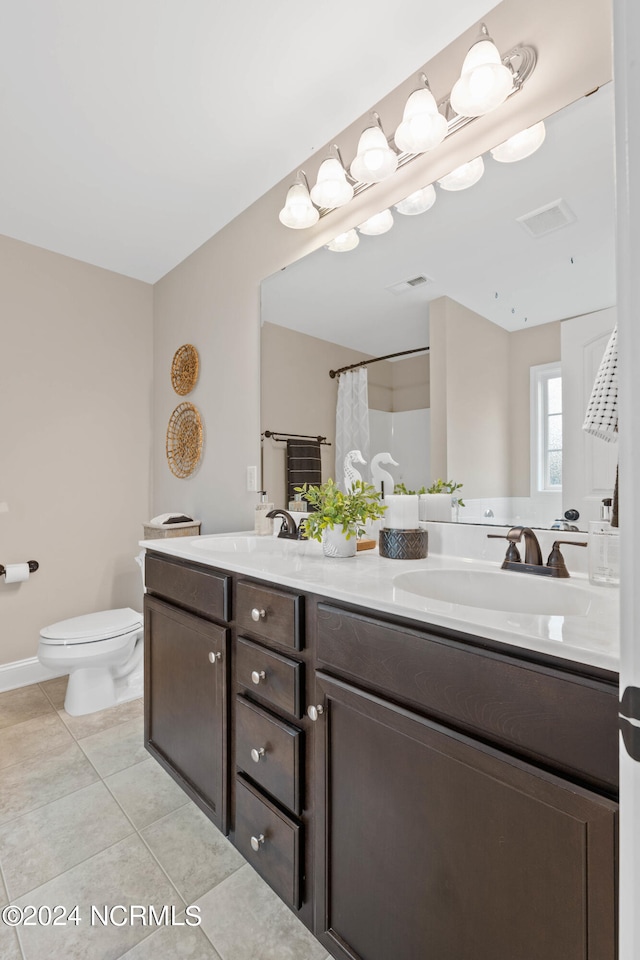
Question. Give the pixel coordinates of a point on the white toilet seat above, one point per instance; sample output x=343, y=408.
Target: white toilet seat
x=91, y=628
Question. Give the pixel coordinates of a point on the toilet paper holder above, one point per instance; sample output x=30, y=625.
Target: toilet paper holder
x=32, y=564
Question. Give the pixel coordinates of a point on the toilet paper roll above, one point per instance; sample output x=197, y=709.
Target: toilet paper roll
x=16, y=572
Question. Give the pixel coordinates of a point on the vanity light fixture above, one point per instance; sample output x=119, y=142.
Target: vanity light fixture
x=485, y=81
x=417, y=202
x=520, y=145
x=423, y=127
x=463, y=176
x=332, y=189
x=344, y=242
x=375, y=160
x=378, y=224
x=298, y=211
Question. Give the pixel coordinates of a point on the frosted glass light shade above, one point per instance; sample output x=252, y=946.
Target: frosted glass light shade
x=422, y=127
x=375, y=160
x=484, y=82
x=377, y=224
x=418, y=202
x=331, y=189
x=344, y=242
x=463, y=176
x=520, y=145
x=298, y=211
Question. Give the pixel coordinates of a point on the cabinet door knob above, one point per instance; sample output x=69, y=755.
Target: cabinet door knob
x=256, y=842
x=314, y=712
x=257, y=676
x=214, y=657
x=257, y=754
x=257, y=615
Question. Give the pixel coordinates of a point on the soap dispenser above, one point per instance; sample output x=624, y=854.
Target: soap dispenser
x=263, y=523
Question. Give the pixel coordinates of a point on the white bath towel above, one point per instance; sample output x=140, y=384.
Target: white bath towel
x=601, y=418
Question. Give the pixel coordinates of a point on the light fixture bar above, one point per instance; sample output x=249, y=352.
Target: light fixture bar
x=522, y=62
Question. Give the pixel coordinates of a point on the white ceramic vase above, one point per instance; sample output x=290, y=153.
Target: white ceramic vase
x=335, y=543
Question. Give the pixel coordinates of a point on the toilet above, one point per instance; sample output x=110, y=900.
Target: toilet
x=103, y=654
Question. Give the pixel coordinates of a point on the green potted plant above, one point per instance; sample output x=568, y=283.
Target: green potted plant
x=437, y=500
x=337, y=519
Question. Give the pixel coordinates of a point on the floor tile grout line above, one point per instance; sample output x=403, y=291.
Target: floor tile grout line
x=24, y=813
x=57, y=876
x=98, y=733
x=41, y=685
x=68, y=725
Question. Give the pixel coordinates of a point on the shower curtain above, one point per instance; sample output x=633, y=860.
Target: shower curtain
x=352, y=421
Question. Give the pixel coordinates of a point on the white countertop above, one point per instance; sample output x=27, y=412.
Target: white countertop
x=367, y=581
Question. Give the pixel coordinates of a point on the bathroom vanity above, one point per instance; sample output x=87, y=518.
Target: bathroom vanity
x=412, y=777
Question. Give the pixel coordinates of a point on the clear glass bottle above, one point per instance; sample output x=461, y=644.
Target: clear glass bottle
x=263, y=523
x=604, y=553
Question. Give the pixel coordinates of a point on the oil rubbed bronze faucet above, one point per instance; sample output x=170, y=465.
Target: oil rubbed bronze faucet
x=288, y=529
x=555, y=566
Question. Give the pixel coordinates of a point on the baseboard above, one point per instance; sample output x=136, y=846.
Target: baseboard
x=22, y=673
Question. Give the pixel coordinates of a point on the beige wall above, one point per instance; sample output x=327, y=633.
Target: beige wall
x=480, y=407
x=298, y=396
x=411, y=383
x=469, y=400
x=212, y=299
x=75, y=402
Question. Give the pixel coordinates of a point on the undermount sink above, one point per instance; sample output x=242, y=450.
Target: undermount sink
x=503, y=590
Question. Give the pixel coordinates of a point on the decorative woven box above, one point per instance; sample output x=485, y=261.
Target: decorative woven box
x=403, y=544
x=161, y=531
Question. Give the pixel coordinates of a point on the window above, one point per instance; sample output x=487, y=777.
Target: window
x=546, y=427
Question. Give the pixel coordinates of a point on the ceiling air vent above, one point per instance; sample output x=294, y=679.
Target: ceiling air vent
x=404, y=285
x=545, y=220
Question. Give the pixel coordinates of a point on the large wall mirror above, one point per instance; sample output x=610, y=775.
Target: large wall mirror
x=508, y=282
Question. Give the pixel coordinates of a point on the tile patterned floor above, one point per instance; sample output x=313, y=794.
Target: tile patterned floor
x=87, y=817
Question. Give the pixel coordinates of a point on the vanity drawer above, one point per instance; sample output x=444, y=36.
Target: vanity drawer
x=277, y=838
x=198, y=589
x=269, y=751
x=270, y=614
x=562, y=719
x=270, y=676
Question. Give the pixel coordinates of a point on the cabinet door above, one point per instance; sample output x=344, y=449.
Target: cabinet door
x=185, y=702
x=432, y=845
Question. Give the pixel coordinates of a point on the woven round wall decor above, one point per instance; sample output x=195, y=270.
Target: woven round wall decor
x=184, y=369
x=184, y=440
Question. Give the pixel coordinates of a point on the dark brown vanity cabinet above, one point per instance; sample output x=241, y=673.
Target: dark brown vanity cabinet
x=433, y=843
x=409, y=791
x=186, y=680
x=271, y=816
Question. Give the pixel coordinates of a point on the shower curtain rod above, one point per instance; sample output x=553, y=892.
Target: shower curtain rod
x=365, y=363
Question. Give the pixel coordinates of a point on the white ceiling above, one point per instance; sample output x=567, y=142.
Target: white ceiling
x=133, y=130
x=473, y=249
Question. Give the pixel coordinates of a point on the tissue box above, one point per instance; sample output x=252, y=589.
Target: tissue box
x=160, y=531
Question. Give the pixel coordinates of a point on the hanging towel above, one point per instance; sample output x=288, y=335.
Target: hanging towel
x=304, y=465
x=602, y=411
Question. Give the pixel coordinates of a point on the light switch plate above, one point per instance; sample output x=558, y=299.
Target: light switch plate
x=252, y=479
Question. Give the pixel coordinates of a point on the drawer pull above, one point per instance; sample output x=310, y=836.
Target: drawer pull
x=214, y=657
x=257, y=676
x=257, y=615
x=256, y=842
x=257, y=755
x=314, y=712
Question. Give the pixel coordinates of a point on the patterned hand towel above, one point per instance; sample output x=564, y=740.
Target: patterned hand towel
x=602, y=412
